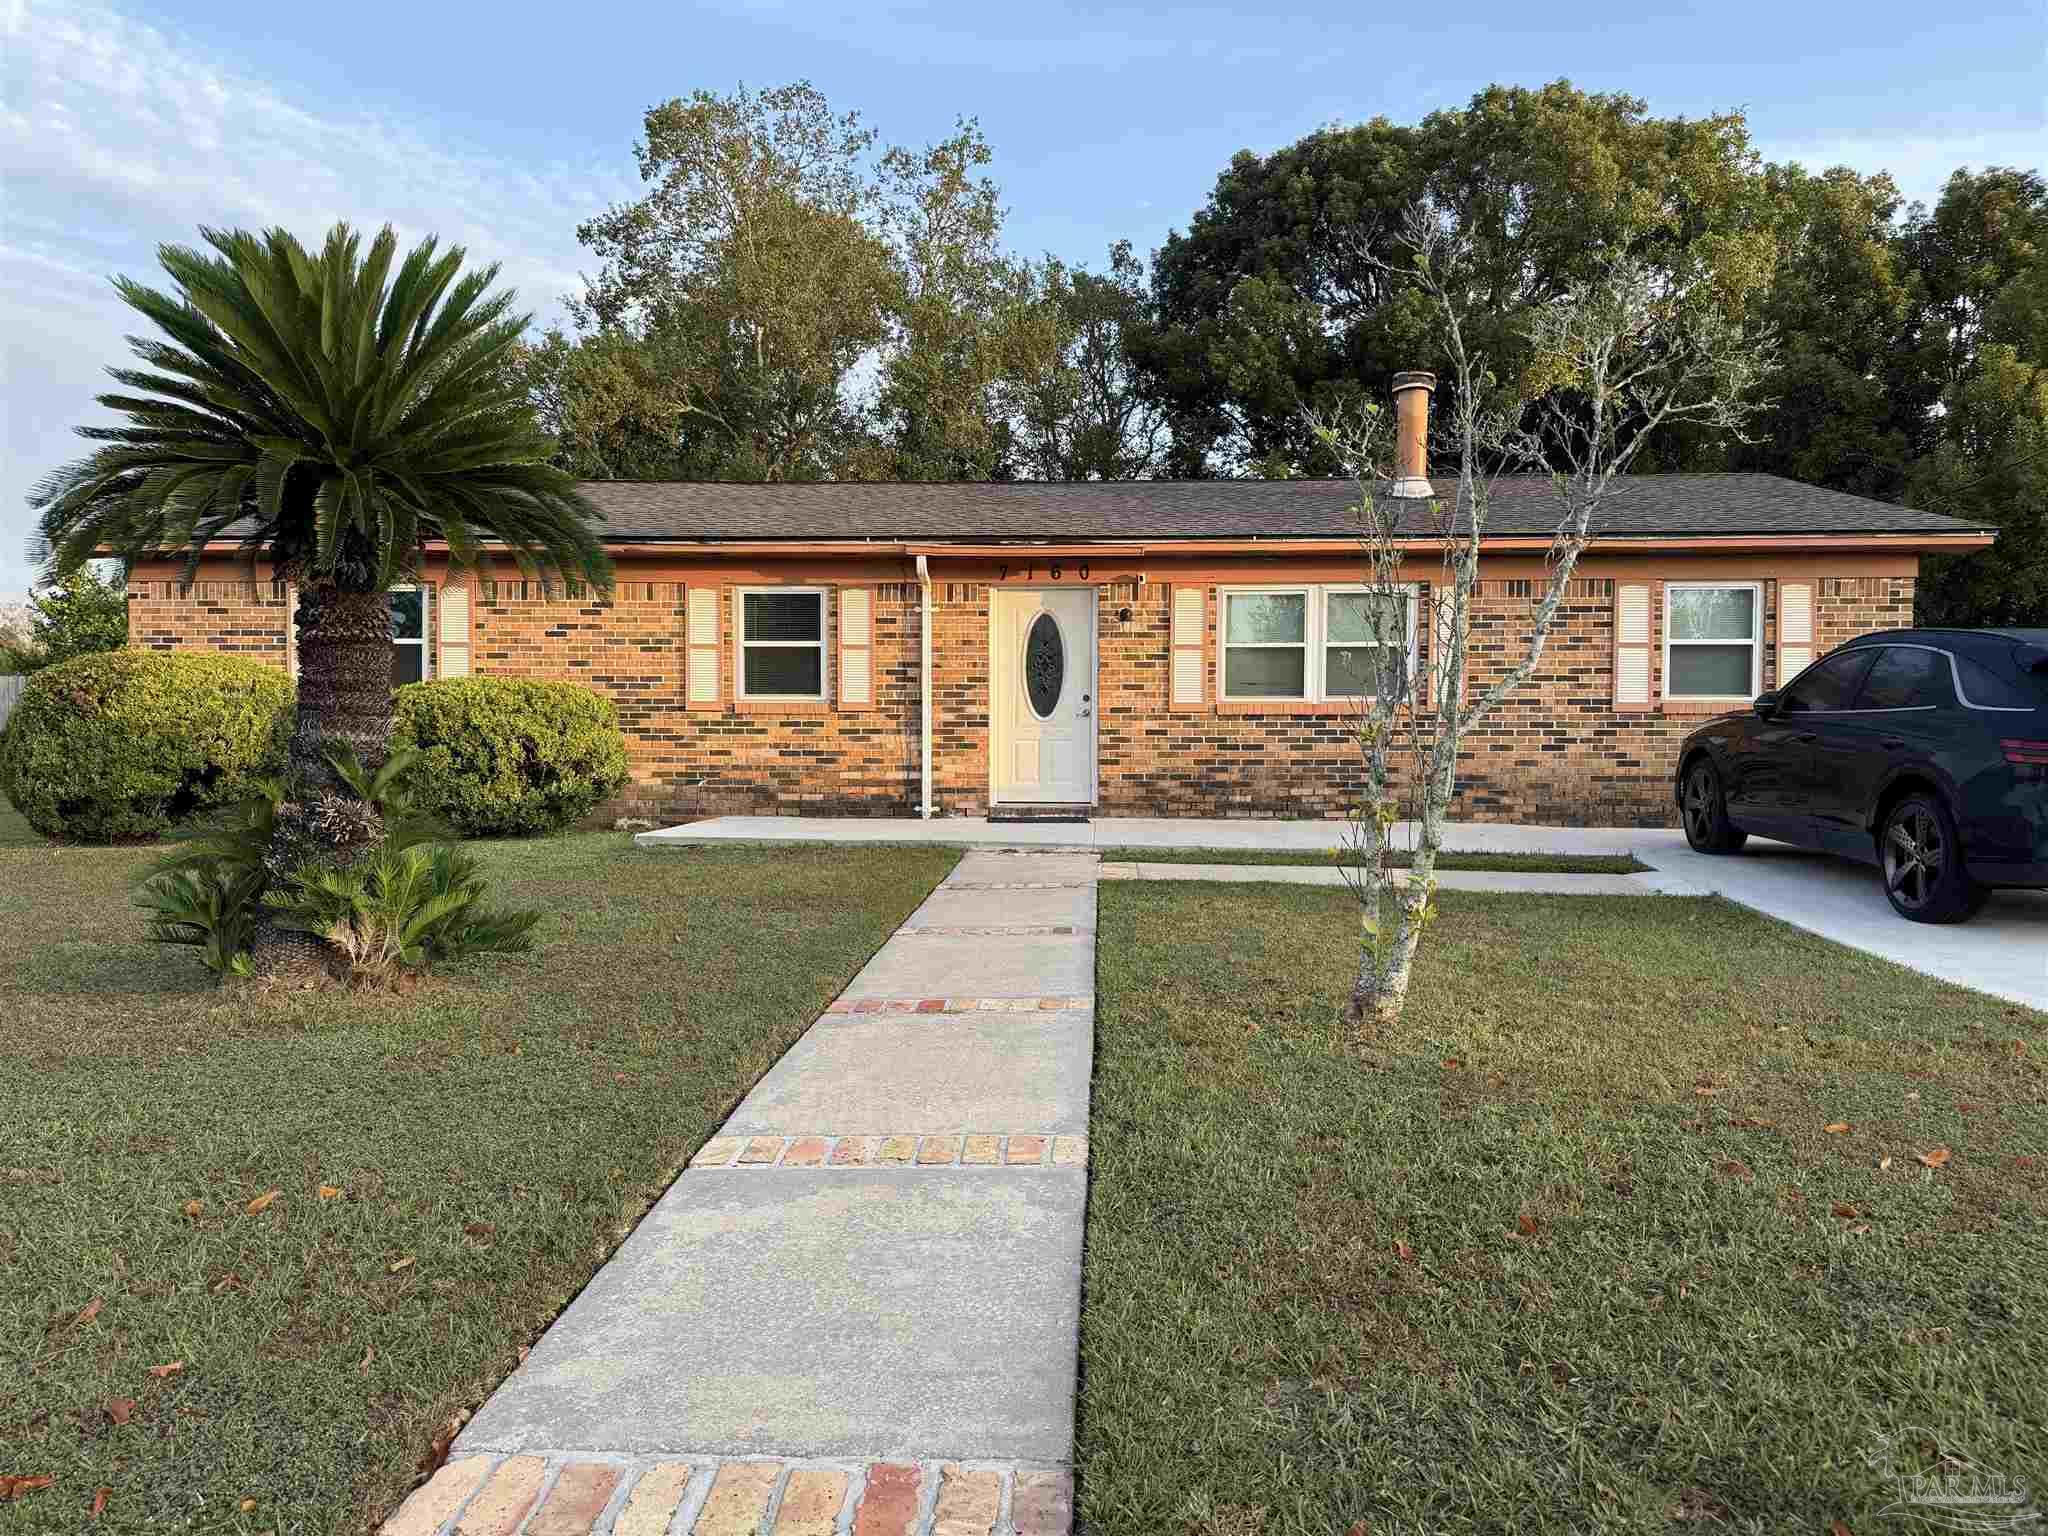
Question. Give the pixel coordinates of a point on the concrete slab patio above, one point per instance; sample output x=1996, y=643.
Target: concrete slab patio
x=859, y=1308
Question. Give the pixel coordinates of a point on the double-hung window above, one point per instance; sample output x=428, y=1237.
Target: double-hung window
x=1713, y=633
x=782, y=643
x=1314, y=643
x=409, y=649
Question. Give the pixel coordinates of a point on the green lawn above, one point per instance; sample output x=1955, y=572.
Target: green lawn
x=1573, y=1249
x=491, y=1138
x=15, y=832
x=1523, y=863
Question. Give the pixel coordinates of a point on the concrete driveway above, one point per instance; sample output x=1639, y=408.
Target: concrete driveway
x=2003, y=950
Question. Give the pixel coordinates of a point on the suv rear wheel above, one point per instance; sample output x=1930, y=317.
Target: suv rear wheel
x=1704, y=808
x=1922, y=859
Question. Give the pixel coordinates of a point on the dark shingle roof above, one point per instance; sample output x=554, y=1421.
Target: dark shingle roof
x=1654, y=506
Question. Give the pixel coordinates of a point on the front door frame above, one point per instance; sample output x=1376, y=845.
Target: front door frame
x=1093, y=697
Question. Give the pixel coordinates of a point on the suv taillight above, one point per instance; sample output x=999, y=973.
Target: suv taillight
x=2018, y=751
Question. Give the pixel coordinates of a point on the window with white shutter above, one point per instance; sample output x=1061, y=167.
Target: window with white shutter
x=1632, y=645
x=1795, y=629
x=454, y=630
x=701, y=626
x=1189, y=616
x=856, y=647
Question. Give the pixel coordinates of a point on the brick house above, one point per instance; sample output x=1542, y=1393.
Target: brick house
x=1143, y=648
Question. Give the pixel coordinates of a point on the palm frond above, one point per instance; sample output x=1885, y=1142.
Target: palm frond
x=336, y=408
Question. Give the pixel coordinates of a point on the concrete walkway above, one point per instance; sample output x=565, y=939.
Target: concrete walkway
x=858, y=1310
x=1124, y=832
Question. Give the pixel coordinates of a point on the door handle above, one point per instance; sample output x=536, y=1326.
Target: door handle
x=1892, y=743
x=1810, y=736
x=1084, y=714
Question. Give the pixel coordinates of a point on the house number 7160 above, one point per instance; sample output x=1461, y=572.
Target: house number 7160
x=1030, y=572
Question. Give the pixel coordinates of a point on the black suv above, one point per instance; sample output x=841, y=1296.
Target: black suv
x=1922, y=751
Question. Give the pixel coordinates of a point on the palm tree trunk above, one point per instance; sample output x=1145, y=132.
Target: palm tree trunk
x=344, y=648
x=344, y=681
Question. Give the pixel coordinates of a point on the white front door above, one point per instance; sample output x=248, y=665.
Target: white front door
x=1042, y=708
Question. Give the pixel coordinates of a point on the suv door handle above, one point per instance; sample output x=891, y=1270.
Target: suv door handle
x=1810, y=736
x=1892, y=743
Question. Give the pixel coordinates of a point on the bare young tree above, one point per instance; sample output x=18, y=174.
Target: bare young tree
x=1634, y=348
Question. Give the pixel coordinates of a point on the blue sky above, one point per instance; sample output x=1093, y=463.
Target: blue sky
x=122, y=125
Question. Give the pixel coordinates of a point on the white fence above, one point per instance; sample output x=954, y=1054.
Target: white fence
x=10, y=690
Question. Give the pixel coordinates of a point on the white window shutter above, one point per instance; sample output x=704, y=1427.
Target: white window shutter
x=1188, y=615
x=291, y=629
x=428, y=609
x=1795, y=629
x=1632, y=645
x=856, y=640
x=702, y=627
x=454, y=631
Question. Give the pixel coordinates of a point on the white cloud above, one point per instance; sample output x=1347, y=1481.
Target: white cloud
x=115, y=137
x=1921, y=162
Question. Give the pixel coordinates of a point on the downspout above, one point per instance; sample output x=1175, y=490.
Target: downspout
x=924, y=683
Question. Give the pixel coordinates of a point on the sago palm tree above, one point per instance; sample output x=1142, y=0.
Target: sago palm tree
x=331, y=417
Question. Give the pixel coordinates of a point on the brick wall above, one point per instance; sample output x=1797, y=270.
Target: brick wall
x=244, y=618
x=732, y=758
x=1554, y=752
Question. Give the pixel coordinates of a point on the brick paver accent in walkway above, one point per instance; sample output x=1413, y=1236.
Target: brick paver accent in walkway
x=1009, y=1149
x=580, y=1496
x=857, y=1312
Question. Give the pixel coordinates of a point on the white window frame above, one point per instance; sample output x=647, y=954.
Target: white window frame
x=1756, y=640
x=1315, y=632
x=821, y=645
x=1410, y=594
x=426, y=639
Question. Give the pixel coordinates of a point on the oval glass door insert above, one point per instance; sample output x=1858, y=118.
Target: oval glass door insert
x=1045, y=665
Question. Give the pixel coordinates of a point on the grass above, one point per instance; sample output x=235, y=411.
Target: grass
x=1523, y=863
x=490, y=1139
x=1572, y=1249
x=15, y=832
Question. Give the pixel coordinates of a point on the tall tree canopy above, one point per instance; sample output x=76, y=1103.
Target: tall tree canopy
x=787, y=303
x=1839, y=301
x=1979, y=332
x=1082, y=412
x=789, y=300
x=752, y=273
x=1278, y=297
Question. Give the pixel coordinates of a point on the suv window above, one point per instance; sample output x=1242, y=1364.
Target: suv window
x=1986, y=689
x=1907, y=677
x=1830, y=685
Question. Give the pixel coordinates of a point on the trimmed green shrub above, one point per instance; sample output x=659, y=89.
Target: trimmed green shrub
x=124, y=745
x=503, y=755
